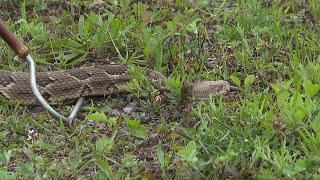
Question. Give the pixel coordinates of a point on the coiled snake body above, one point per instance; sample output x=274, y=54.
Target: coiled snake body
x=56, y=86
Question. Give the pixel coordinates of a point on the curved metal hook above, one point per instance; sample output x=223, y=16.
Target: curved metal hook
x=42, y=101
x=23, y=52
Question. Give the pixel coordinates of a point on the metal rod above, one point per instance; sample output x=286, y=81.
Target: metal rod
x=75, y=110
x=42, y=101
x=22, y=51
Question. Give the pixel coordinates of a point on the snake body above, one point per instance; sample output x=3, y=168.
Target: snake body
x=56, y=86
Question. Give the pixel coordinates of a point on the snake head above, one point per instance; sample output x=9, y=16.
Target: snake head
x=202, y=90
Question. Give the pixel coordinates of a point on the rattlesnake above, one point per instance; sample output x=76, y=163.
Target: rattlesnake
x=56, y=86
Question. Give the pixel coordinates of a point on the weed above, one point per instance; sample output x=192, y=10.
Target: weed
x=270, y=130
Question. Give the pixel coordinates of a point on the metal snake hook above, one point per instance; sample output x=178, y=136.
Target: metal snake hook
x=42, y=101
x=22, y=52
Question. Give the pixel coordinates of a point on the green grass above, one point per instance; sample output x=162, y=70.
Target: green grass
x=269, y=130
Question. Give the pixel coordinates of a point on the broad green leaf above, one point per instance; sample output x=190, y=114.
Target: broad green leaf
x=283, y=97
x=300, y=166
x=298, y=101
x=115, y=27
x=95, y=19
x=5, y=156
x=175, y=86
x=310, y=104
x=81, y=26
x=235, y=80
x=26, y=168
x=104, y=166
x=190, y=152
x=303, y=72
x=160, y=154
x=275, y=88
x=3, y=134
x=98, y=116
x=202, y=3
x=288, y=84
x=316, y=124
x=310, y=89
x=193, y=26
x=285, y=87
x=278, y=31
x=69, y=57
x=104, y=144
x=289, y=170
x=28, y=152
x=248, y=81
x=300, y=112
x=78, y=60
x=171, y=27
x=6, y=175
x=65, y=43
x=130, y=161
x=137, y=130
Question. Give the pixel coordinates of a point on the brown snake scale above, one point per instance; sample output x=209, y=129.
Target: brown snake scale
x=56, y=86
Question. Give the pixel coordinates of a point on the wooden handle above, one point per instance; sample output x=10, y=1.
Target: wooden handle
x=12, y=41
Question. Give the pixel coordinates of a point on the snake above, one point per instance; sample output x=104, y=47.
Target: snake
x=60, y=86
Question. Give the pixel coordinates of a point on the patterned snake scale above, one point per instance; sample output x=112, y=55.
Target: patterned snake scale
x=59, y=86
